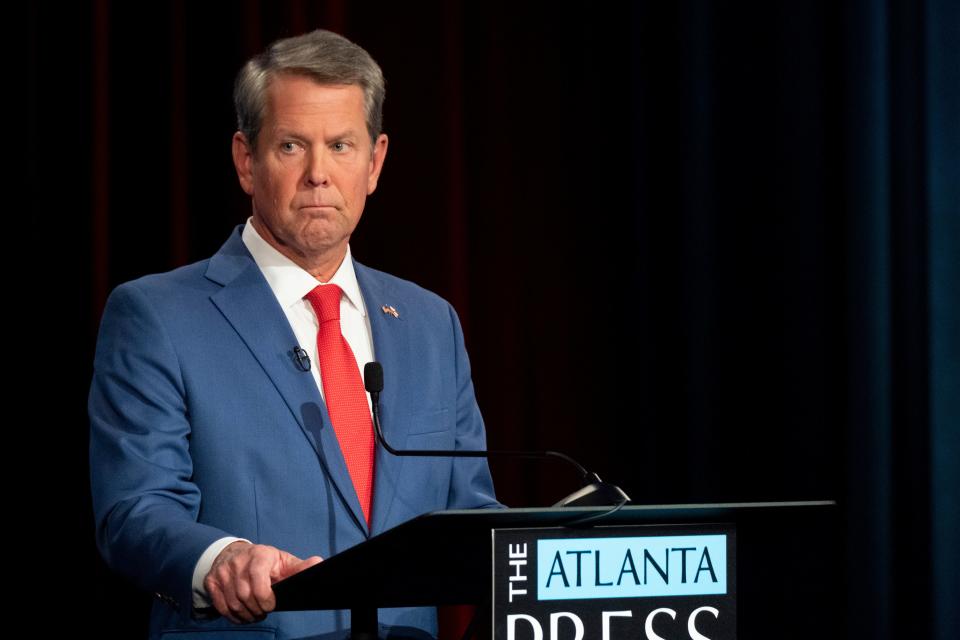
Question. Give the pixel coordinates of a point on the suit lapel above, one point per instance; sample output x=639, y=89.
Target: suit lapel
x=392, y=349
x=248, y=304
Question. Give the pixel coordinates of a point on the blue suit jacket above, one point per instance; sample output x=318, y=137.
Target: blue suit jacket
x=202, y=426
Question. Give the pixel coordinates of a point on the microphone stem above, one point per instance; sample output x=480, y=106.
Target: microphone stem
x=439, y=453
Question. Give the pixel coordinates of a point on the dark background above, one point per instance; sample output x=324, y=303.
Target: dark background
x=710, y=248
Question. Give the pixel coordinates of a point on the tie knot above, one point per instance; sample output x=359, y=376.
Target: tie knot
x=325, y=299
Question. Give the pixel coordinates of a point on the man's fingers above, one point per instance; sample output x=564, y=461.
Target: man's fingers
x=240, y=610
x=306, y=564
x=231, y=581
x=239, y=583
x=245, y=591
x=291, y=564
x=220, y=603
x=236, y=597
x=261, y=572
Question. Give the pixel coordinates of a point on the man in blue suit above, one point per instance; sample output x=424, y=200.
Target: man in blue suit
x=220, y=458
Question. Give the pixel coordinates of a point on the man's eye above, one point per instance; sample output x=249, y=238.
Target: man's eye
x=288, y=147
x=339, y=146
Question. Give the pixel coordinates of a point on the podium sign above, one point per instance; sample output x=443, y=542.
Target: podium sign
x=644, y=582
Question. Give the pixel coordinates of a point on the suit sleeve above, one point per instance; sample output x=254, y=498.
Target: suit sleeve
x=144, y=501
x=471, y=486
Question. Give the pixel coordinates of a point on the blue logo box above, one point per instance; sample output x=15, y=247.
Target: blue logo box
x=631, y=567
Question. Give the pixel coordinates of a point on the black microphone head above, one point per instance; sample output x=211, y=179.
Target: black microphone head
x=373, y=377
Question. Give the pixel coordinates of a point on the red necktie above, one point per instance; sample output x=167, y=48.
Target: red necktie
x=344, y=393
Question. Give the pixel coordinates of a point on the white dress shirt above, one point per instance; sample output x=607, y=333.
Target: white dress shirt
x=290, y=283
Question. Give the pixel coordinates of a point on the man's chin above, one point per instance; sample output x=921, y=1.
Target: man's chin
x=324, y=250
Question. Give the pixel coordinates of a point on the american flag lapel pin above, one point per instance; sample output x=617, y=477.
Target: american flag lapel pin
x=388, y=309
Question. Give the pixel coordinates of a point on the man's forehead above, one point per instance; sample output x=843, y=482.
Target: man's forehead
x=297, y=99
x=285, y=78
x=290, y=109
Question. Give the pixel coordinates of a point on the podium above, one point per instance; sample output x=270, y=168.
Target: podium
x=449, y=557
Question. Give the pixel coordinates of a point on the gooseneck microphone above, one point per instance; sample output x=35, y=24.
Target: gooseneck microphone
x=594, y=492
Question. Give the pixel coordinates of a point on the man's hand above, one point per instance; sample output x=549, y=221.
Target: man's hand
x=240, y=579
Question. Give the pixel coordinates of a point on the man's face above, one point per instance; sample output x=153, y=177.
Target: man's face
x=313, y=168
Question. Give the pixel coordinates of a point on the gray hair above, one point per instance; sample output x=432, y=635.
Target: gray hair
x=326, y=57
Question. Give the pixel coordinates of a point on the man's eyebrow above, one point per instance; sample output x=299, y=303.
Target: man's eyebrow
x=285, y=132
x=349, y=133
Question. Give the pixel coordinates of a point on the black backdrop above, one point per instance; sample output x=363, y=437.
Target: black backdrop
x=710, y=248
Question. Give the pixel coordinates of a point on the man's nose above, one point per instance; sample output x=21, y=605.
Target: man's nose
x=317, y=173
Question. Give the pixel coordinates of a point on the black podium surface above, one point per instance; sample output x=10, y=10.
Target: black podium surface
x=445, y=557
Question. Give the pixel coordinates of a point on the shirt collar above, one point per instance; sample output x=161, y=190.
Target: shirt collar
x=289, y=281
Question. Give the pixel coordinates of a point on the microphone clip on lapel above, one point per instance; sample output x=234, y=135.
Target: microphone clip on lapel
x=303, y=360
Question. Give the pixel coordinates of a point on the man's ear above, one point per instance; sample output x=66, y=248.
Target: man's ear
x=377, y=155
x=243, y=161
